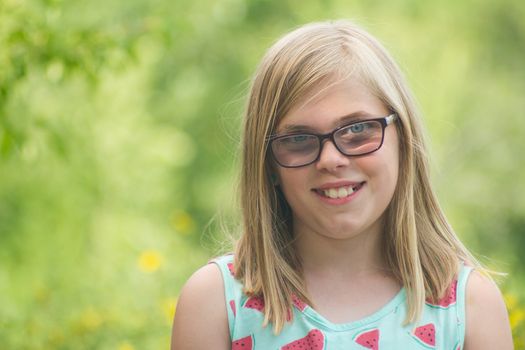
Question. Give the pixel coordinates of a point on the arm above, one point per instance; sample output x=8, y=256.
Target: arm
x=201, y=320
x=487, y=320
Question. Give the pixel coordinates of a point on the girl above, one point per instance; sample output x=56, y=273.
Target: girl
x=344, y=245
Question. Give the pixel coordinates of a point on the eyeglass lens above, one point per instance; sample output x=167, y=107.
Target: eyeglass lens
x=355, y=139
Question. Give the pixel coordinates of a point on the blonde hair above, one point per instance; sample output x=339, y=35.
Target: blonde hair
x=420, y=246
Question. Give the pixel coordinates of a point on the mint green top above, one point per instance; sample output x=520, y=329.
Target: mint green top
x=442, y=325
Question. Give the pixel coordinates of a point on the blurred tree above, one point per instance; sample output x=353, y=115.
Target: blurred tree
x=119, y=129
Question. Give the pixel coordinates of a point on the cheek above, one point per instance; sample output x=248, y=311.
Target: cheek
x=292, y=183
x=289, y=183
x=393, y=162
x=389, y=155
x=381, y=169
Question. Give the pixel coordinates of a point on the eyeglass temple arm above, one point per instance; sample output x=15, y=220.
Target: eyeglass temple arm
x=391, y=118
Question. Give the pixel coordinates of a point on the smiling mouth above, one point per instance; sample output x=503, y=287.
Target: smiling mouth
x=339, y=192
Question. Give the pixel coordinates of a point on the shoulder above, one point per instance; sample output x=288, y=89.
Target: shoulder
x=201, y=310
x=487, y=322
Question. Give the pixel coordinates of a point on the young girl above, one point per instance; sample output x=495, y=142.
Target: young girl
x=344, y=245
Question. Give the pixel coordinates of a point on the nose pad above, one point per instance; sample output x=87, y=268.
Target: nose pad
x=330, y=157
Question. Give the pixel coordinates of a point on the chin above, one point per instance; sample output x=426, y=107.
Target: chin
x=342, y=231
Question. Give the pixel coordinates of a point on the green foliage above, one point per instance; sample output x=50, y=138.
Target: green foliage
x=119, y=128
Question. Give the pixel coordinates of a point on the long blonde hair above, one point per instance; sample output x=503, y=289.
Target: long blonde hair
x=420, y=246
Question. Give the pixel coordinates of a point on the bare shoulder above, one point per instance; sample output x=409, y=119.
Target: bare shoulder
x=201, y=310
x=487, y=320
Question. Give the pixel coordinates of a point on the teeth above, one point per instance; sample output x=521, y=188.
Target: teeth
x=340, y=192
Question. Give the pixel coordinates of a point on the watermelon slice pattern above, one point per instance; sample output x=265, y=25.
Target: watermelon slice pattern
x=255, y=302
x=426, y=335
x=314, y=340
x=368, y=339
x=230, y=267
x=449, y=298
x=299, y=304
x=245, y=343
x=232, y=305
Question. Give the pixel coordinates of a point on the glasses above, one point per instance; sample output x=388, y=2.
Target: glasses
x=354, y=139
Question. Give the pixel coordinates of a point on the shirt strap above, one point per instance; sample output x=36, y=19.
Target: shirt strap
x=231, y=288
x=464, y=273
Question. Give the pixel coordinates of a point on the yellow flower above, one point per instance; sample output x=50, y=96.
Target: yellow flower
x=150, y=261
x=125, y=346
x=516, y=317
x=183, y=222
x=169, y=306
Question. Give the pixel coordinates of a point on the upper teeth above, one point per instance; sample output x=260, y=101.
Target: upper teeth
x=339, y=192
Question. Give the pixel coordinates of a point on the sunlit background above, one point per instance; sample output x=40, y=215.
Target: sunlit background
x=119, y=130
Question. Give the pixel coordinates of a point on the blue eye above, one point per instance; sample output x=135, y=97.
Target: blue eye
x=357, y=128
x=297, y=143
x=299, y=138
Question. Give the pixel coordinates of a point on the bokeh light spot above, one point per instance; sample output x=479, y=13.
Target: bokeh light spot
x=150, y=261
x=183, y=223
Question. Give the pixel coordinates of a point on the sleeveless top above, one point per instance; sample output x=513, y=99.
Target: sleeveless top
x=441, y=326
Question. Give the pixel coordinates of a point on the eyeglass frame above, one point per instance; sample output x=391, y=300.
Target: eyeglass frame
x=384, y=121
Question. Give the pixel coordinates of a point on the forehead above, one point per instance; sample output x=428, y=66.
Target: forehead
x=328, y=106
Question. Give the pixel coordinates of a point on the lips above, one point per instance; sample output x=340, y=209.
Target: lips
x=339, y=190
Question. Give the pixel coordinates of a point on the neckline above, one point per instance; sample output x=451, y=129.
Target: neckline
x=389, y=307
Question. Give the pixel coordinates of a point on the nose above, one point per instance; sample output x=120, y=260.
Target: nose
x=330, y=158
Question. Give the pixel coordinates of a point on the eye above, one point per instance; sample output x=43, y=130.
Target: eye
x=357, y=128
x=298, y=138
x=295, y=139
x=295, y=143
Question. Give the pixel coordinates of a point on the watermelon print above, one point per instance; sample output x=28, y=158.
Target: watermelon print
x=368, y=339
x=299, y=304
x=289, y=314
x=256, y=303
x=449, y=298
x=314, y=340
x=230, y=267
x=232, y=305
x=441, y=326
x=426, y=335
x=245, y=343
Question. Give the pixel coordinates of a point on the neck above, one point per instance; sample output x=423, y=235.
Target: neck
x=352, y=257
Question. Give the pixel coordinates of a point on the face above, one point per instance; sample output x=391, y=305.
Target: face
x=373, y=177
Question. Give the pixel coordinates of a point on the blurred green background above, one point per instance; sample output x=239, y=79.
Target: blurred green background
x=119, y=129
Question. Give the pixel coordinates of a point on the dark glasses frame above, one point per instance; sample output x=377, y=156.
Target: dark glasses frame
x=384, y=121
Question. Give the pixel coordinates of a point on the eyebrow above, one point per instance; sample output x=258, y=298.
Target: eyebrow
x=355, y=116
